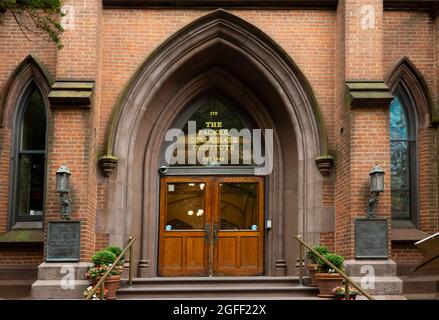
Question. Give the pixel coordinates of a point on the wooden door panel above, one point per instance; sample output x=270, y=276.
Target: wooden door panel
x=172, y=257
x=238, y=252
x=250, y=251
x=195, y=252
x=183, y=250
x=183, y=255
x=227, y=255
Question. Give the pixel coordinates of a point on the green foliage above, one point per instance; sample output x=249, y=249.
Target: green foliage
x=103, y=258
x=335, y=259
x=37, y=17
x=117, y=251
x=320, y=249
x=97, y=272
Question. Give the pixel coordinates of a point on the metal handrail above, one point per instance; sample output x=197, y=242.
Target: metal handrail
x=100, y=283
x=340, y=272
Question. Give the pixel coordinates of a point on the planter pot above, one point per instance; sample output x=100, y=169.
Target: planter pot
x=312, y=269
x=111, y=284
x=327, y=282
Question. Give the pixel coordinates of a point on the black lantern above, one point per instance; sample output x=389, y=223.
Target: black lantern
x=63, y=179
x=376, y=187
x=376, y=179
x=63, y=188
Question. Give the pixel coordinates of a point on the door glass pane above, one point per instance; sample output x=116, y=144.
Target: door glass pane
x=34, y=123
x=239, y=206
x=31, y=185
x=185, y=206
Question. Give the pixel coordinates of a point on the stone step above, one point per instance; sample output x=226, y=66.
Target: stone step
x=420, y=284
x=164, y=282
x=15, y=289
x=359, y=268
x=383, y=285
x=384, y=297
x=48, y=289
x=225, y=292
x=422, y=296
x=18, y=272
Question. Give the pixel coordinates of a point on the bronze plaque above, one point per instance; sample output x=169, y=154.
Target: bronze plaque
x=371, y=238
x=63, y=241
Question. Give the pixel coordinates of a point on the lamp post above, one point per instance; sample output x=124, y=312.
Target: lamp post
x=63, y=188
x=376, y=187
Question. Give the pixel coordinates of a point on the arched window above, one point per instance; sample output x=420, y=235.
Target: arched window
x=30, y=157
x=403, y=140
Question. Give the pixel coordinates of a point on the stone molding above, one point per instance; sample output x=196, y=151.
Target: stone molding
x=375, y=94
x=71, y=93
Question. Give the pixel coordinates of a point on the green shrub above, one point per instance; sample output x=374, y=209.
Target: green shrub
x=114, y=249
x=103, y=257
x=117, y=251
x=335, y=259
x=320, y=249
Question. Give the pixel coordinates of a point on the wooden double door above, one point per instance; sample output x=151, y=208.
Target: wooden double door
x=211, y=226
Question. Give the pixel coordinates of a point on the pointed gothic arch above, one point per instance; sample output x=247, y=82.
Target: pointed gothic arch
x=406, y=74
x=29, y=81
x=222, y=52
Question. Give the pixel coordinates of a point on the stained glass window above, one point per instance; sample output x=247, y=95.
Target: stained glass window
x=402, y=161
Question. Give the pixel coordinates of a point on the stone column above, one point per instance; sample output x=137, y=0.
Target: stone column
x=72, y=139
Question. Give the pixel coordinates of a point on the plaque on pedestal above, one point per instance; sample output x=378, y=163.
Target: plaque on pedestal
x=63, y=241
x=371, y=238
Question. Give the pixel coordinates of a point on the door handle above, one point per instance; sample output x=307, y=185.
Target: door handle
x=215, y=233
x=207, y=232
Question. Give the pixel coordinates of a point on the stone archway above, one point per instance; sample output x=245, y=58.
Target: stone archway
x=218, y=52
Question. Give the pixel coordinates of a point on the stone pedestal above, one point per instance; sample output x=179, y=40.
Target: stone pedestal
x=377, y=277
x=61, y=280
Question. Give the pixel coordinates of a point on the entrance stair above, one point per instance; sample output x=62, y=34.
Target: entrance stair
x=234, y=288
x=419, y=285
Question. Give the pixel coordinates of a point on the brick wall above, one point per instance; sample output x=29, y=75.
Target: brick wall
x=328, y=46
x=405, y=252
x=73, y=132
x=411, y=35
x=327, y=239
x=14, y=256
x=14, y=48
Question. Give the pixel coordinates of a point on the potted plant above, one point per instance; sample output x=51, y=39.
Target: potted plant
x=313, y=263
x=328, y=278
x=340, y=293
x=103, y=260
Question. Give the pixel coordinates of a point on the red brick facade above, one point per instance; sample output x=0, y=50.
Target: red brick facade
x=329, y=46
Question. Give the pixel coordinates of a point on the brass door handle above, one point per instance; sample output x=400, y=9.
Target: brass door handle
x=207, y=232
x=215, y=233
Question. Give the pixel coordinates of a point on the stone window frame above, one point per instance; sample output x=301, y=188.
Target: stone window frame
x=29, y=72
x=18, y=129
x=406, y=80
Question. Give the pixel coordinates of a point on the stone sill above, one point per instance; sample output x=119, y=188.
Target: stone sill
x=22, y=237
x=407, y=235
